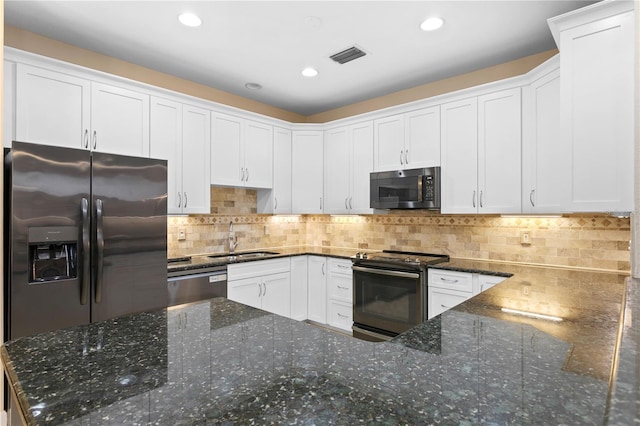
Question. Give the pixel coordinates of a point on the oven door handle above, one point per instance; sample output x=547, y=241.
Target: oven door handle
x=388, y=272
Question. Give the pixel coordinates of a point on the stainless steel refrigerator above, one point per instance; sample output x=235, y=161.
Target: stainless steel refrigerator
x=87, y=237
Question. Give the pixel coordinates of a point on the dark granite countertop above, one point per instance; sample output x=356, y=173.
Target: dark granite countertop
x=220, y=362
x=201, y=261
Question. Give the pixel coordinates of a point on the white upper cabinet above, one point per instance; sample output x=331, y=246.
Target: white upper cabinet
x=544, y=163
x=481, y=154
x=278, y=200
x=241, y=152
x=307, y=171
x=407, y=141
x=597, y=104
x=348, y=162
x=64, y=110
x=180, y=134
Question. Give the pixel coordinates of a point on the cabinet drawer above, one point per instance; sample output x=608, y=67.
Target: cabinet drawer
x=340, y=266
x=443, y=300
x=340, y=287
x=458, y=281
x=237, y=271
x=340, y=315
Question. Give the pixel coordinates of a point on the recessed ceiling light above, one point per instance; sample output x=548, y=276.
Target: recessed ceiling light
x=189, y=19
x=431, y=24
x=309, y=72
x=253, y=86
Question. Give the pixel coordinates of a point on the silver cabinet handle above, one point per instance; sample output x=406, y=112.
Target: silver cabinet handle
x=531, y=197
x=323, y=269
x=259, y=290
x=406, y=156
x=186, y=200
x=448, y=280
x=343, y=288
x=346, y=205
x=100, y=243
x=474, y=199
x=86, y=247
x=481, y=193
x=95, y=139
x=179, y=199
x=247, y=178
x=320, y=203
x=275, y=203
x=401, y=163
x=86, y=138
x=350, y=206
x=264, y=293
x=342, y=316
x=241, y=174
x=343, y=266
x=445, y=306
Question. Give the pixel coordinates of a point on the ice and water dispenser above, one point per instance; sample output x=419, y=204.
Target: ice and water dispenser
x=53, y=253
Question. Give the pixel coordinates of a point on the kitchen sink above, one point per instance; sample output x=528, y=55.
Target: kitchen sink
x=246, y=255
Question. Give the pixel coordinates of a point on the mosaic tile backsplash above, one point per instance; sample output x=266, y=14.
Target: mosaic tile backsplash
x=584, y=241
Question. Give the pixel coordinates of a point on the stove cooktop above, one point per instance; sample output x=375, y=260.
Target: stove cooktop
x=393, y=257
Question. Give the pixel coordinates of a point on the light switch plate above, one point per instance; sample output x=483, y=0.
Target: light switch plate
x=525, y=238
x=182, y=234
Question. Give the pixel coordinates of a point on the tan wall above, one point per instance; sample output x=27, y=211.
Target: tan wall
x=30, y=42
x=584, y=241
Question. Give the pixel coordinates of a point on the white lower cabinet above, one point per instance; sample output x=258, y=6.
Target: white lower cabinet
x=340, y=294
x=299, y=274
x=317, y=289
x=447, y=289
x=262, y=284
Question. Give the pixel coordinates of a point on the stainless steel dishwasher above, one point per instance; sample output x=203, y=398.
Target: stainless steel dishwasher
x=197, y=284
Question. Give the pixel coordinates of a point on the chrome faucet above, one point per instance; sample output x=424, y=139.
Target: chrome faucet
x=233, y=239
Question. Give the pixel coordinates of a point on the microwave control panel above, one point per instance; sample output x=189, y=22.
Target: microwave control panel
x=428, y=189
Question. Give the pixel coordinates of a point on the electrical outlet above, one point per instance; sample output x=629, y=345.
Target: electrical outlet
x=182, y=234
x=525, y=238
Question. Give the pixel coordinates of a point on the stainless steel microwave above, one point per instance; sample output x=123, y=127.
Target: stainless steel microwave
x=406, y=189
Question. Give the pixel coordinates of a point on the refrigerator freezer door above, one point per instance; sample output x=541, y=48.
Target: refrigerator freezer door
x=46, y=251
x=129, y=207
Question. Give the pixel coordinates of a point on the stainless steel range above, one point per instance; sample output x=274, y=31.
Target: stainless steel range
x=390, y=292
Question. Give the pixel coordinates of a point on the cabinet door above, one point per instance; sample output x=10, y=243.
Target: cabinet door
x=276, y=295
x=166, y=143
x=226, y=136
x=281, y=171
x=337, y=171
x=459, y=156
x=307, y=172
x=422, y=137
x=258, y=155
x=361, y=167
x=196, y=145
x=388, y=143
x=247, y=291
x=299, y=277
x=544, y=156
x=52, y=108
x=597, y=93
x=119, y=120
x=441, y=300
x=317, y=289
x=340, y=315
x=499, y=152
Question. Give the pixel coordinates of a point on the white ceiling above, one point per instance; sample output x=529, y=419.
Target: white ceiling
x=269, y=42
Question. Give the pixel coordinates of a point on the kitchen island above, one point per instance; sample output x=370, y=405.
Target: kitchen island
x=220, y=362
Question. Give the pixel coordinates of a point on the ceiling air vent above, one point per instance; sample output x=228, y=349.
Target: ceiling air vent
x=347, y=55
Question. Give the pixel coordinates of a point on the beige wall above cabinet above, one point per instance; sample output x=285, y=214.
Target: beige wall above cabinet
x=62, y=109
x=407, y=141
x=181, y=135
x=481, y=154
x=241, y=152
x=278, y=199
x=307, y=172
x=348, y=160
x=597, y=51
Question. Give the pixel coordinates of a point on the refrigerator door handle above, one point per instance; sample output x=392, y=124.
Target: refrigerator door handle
x=100, y=254
x=86, y=246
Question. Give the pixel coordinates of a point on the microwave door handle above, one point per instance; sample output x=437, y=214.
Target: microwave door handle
x=420, y=180
x=86, y=247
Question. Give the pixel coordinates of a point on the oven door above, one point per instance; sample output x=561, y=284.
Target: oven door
x=387, y=302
